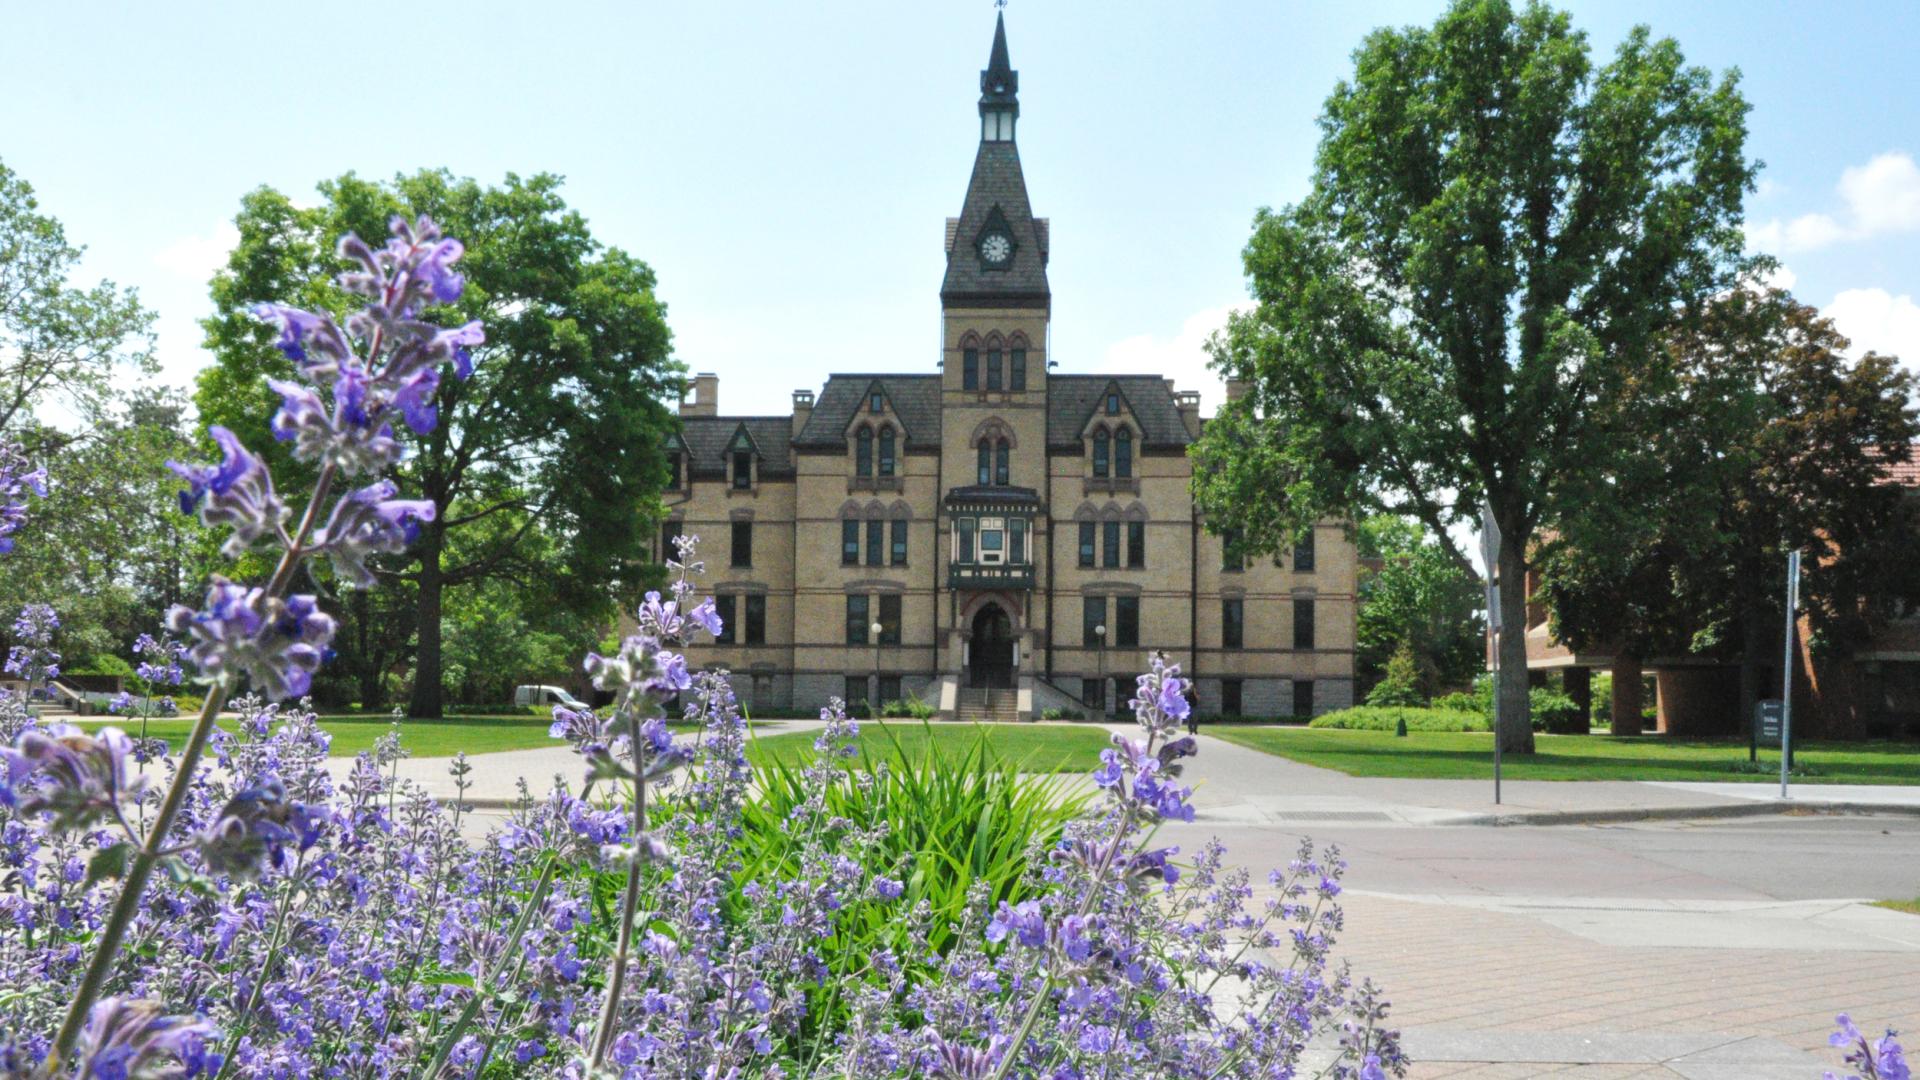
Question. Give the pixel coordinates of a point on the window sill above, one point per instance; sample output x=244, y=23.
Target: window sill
x=876, y=483
x=1109, y=485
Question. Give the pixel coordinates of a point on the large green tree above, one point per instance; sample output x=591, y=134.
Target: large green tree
x=547, y=462
x=1784, y=448
x=60, y=345
x=1498, y=232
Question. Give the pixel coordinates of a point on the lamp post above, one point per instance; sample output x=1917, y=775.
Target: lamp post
x=873, y=703
x=1100, y=632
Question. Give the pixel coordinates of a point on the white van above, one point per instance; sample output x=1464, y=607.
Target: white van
x=546, y=695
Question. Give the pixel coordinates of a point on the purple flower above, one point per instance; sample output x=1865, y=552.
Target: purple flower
x=136, y=1040
x=301, y=329
x=707, y=616
x=1023, y=921
x=237, y=493
x=79, y=779
x=278, y=643
x=16, y=483
x=886, y=888
x=370, y=522
x=254, y=828
x=32, y=657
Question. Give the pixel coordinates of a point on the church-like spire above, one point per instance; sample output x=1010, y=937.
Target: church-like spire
x=999, y=89
x=996, y=248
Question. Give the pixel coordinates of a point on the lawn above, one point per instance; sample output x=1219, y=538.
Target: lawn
x=1050, y=748
x=1469, y=756
x=423, y=738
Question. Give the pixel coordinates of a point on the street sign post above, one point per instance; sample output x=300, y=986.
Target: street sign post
x=1786, y=669
x=1490, y=557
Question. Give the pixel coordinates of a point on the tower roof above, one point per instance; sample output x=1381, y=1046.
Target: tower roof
x=996, y=205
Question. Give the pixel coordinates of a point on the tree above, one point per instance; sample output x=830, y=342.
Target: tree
x=109, y=548
x=59, y=345
x=560, y=430
x=1420, y=601
x=1784, y=447
x=1497, y=233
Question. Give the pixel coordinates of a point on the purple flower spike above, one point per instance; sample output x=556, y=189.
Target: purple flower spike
x=254, y=829
x=80, y=779
x=301, y=330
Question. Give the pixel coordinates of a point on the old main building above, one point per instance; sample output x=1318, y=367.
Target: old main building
x=989, y=535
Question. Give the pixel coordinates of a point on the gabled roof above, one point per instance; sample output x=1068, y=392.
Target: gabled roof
x=708, y=438
x=914, y=399
x=1072, y=400
x=1906, y=471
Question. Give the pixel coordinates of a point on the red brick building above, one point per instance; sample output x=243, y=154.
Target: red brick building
x=1874, y=692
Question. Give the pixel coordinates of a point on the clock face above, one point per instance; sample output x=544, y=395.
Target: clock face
x=996, y=248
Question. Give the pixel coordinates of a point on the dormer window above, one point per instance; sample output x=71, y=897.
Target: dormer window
x=886, y=451
x=673, y=470
x=1100, y=453
x=1123, y=454
x=742, y=469
x=878, y=403
x=863, y=452
x=1113, y=403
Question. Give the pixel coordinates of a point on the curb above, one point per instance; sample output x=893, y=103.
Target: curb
x=1768, y=808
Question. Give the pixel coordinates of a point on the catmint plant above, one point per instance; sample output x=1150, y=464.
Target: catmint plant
x=32, y=658
x=354, y=384
x=18, y=479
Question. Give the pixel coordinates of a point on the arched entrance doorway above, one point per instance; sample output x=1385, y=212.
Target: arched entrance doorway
x=990, y=653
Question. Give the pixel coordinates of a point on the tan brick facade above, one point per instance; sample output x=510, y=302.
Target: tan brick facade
x=956, y=503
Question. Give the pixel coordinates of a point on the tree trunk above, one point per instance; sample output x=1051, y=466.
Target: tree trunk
x=1578, y=684
x=1626, y=693
x=1752, y=662
x=426, y=701
x=1516, y=721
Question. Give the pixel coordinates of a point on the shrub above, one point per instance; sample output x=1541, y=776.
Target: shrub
x=1458, y=701
x=910, y=707
x=1376, y=718
x=1054, y=712
x=103, y=664
x=1401, y=686
x=1555, y=712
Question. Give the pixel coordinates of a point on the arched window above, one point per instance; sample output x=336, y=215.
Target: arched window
x=1123, y=453
x=986, y=462
x=993, y=369
x=886, y=451
x=863, y=452
x=1000, y=463
x=1100, y=452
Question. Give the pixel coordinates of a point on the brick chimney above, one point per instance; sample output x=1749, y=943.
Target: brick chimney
x=706, y=396
x=1188, y=402
x=802, y=410
x=1236, y=389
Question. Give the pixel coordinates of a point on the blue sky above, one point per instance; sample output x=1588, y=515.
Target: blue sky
x=787, y=169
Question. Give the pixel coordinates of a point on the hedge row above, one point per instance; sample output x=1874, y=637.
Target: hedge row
x=1388, y=718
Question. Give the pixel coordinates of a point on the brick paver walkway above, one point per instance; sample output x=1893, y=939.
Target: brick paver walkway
x=1464, y=971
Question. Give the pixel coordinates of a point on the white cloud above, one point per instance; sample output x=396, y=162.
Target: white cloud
x=1781, y=277
x=1881, y=197
x=1181, y=357
x=198, y=258
x=1878, y=321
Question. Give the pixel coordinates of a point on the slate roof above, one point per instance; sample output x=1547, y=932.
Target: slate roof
x=997, y=183
x=915, y=399
x=707, y=439
x=1072, y=399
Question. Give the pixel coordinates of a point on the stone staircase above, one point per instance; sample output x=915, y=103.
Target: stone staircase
x=988, y=706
